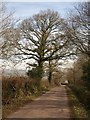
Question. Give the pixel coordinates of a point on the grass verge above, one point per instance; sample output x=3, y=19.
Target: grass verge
x=77, y=109
x=15, y=104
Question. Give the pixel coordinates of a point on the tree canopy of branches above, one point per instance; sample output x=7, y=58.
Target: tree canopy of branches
x=51, y=67
x=7, y=32
x=80, y=33
x=80, y=27
x=43, y=38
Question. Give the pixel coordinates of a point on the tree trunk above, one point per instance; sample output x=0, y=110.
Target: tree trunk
x=50, y=77
x=40, y=69
x=50, y=73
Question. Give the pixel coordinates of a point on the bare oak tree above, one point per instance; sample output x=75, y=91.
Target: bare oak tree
x=43, y=38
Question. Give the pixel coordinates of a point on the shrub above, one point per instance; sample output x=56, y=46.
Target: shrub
x=86, y=72
x=83, y=95
x=14, y=87
x=35, y=73
x=10, y=86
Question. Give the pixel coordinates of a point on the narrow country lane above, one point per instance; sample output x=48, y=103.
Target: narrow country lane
x=53, y=104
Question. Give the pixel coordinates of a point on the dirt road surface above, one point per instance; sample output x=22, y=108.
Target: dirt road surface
x=53, y=104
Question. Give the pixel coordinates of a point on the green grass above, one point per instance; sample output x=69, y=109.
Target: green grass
x=77, y=109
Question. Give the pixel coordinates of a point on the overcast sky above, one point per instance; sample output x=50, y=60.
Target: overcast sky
x=46, y=0
x=27, y=9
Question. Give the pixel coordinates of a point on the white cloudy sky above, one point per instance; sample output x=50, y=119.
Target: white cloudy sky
x=46, y=0
x=27, y=9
